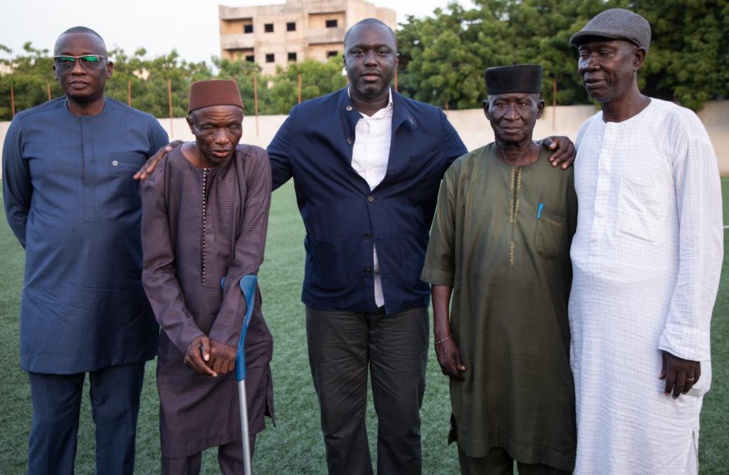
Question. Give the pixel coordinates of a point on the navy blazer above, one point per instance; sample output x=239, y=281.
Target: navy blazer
x=344, y=218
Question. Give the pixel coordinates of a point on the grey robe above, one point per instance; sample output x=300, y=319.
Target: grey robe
x=198, y=226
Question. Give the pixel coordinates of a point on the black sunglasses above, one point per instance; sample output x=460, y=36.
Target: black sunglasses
x=87, y=61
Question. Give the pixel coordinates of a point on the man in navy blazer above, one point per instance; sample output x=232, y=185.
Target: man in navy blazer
x=367, y=164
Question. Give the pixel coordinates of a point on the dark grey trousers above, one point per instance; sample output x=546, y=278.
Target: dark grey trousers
x=343, y=346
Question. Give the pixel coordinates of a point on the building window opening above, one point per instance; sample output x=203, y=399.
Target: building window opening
x=291, y=26
x=331, y=23
x=268, y=27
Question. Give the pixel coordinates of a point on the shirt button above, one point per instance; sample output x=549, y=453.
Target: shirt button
x=349, y=108
x=370, y=199
x=115, y=163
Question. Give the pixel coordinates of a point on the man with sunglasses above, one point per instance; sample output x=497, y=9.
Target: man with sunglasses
x=72, y=203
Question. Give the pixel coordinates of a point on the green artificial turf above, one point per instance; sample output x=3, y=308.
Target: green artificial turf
x=294, y=445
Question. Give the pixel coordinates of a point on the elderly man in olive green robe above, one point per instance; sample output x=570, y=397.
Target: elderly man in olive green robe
x=500, y=248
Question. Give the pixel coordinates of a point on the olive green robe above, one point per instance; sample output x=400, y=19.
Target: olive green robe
x=501, y=240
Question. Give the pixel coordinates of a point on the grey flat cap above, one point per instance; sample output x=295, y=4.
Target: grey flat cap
x=616, y=24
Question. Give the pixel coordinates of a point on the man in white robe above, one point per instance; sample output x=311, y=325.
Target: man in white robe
x=647, y=259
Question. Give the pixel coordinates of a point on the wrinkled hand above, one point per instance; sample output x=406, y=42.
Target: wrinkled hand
x=222, y=357
x=680, y=374
x=198, y=355
x=564, y=151
x=449, y=358
x=152, y=162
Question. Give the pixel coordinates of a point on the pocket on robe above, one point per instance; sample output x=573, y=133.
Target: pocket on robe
x=641, y=209
x=550, y=235
x=122, y=166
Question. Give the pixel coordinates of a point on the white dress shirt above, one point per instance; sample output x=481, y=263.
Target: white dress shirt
x=370, y=155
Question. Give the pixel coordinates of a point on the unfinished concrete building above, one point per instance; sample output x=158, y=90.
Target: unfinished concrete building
x=277, y=34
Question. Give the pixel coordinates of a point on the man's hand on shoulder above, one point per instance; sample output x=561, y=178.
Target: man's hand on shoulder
x=564, y=151
x=152, y=162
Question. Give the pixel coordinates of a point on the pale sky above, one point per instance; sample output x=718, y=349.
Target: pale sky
x=189, y=26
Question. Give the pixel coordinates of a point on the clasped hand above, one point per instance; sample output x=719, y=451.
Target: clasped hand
x=206, y=356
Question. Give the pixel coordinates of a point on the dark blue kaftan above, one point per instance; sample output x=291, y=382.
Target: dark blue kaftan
x=72, y=203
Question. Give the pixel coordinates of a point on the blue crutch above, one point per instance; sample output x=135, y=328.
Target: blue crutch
x=248, y=287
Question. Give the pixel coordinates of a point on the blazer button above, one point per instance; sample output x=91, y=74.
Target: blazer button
x=349, y=140
x=349, y=108
x=367, y=235
x=370, y=198
x=368, y=270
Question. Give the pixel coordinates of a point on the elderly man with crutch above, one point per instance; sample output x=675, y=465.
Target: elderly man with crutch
x=205, y=216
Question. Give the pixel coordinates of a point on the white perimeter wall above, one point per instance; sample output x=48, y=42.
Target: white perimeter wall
x=475, y=130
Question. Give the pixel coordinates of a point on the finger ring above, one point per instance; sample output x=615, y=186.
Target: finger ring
x=690, y=379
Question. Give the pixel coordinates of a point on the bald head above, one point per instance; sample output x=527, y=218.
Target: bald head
x=81, y=30
x=371, y=22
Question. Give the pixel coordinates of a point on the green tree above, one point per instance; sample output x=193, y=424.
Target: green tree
x=688, y=60
x=443, y=57
x=317, y=79
x=248, y=76
x=146, y=80
x=157, y=77
x=30, y=77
